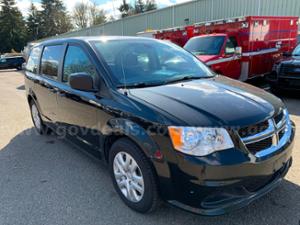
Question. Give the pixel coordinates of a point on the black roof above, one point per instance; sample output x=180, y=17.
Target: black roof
x=93, y=38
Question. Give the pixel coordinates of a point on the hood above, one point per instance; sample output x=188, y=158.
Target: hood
x=293, y=60
x=207, y=58
x=218, y=101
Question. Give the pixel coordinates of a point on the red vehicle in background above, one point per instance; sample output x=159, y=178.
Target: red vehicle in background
x=240, y=48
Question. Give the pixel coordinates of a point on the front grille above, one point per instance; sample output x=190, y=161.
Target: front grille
x=281, y=134
x=279, y=117
x=253, y=129
x=260, y=145
x=289, y=70
x=264, y=136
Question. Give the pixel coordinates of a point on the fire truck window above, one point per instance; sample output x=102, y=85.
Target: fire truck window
x=210, y=45
x=231, y=44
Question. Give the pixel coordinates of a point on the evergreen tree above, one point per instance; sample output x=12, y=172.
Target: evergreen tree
x=150, y=5
x=125, y=9
x=12, y=27
x=54, y=18
x=33, y=23
x=139, y=6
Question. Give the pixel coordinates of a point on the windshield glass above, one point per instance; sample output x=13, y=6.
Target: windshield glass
x=149, y=62
x=296, y=51
x=205, y=45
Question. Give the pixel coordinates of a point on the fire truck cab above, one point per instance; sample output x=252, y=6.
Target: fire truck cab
x=221, y=52
x=240, y=48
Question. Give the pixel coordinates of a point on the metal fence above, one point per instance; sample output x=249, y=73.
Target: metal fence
x=193, y=11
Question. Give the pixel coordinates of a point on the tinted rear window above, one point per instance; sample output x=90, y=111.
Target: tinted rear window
x=33, y=60
x=50, y=60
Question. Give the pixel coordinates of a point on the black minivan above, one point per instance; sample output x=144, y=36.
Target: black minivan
x=285, y=74
x=166, y=125
x=13, y=62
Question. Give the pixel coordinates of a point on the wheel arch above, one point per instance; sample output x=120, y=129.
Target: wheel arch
x=31, y=97
x=124, y=128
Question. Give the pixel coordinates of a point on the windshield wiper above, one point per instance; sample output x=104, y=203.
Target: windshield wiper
x=139, y=85
x=151, y=84
x=185, y=78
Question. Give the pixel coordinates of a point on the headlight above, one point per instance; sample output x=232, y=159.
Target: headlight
x=200, y=141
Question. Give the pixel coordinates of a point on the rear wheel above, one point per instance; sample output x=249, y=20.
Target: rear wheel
x=37, y=120
x=133, y=177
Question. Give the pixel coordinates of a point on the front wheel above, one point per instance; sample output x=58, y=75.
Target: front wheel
x=133, y=177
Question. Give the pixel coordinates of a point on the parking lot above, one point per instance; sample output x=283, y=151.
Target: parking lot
x=44, y=180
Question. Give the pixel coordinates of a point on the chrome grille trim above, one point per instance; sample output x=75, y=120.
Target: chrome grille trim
x=260, y=136
x=283, y=121
x=272, y=131
x=280, y=144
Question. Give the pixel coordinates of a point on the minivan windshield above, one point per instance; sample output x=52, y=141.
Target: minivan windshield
x=147, y=62
x=209, y=45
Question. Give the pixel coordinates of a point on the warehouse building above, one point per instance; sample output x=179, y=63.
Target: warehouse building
x=189, y=13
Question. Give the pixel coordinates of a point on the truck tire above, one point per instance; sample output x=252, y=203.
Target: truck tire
x=133, y=176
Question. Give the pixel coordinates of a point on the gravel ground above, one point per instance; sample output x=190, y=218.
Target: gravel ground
x=44, y=180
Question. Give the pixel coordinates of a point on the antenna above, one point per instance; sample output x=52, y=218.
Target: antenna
x=124, y=77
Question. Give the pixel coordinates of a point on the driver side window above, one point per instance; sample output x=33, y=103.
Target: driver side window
x=76, y=61
x=231, y=44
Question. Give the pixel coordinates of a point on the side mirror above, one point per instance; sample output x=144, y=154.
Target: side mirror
x=82, y=82
x=238, y=51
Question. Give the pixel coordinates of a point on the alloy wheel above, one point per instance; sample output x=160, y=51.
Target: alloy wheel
x=128, y=176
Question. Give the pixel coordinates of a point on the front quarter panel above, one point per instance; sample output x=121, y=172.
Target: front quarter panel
x=135, y=132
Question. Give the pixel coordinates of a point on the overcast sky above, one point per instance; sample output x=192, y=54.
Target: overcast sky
x=110, y=7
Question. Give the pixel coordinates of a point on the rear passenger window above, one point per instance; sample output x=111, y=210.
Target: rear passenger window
x=76, y=61
x=33, y=60
x=50, y=60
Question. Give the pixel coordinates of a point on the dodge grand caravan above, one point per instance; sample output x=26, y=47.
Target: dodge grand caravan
x=166, y=125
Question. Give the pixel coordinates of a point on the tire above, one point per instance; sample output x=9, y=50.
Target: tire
x=146, y=201
x=38, y=123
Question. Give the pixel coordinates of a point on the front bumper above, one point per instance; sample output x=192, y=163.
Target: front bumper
x=224, y=199
x=224, y=181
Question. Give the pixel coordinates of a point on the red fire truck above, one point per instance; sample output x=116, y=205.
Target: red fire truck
x=240, y=48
